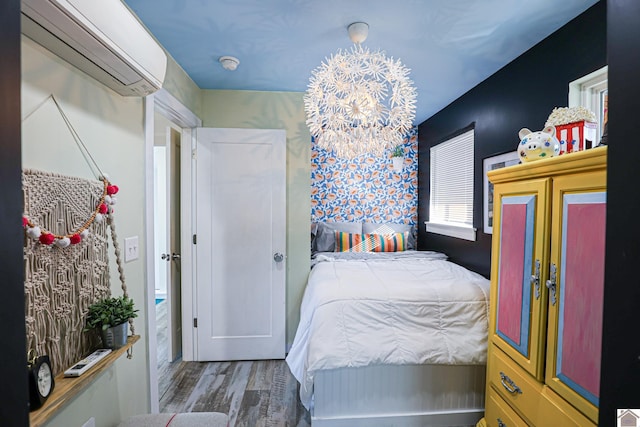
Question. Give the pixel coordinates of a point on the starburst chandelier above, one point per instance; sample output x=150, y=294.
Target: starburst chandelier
x=360, y=101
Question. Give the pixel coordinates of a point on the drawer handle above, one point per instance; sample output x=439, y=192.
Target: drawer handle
x=509, y=384
x=500, y=423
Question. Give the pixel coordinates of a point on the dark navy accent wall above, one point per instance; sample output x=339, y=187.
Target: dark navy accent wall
x=13, y=357
x=522, y=94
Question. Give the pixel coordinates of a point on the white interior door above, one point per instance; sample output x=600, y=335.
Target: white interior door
x=240, y=227
x=174, y=301
x=167, y=236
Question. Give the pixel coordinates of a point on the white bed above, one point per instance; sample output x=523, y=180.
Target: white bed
x=391, y=339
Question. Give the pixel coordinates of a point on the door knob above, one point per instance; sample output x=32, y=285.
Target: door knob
x=175, y=256
x=278, y=257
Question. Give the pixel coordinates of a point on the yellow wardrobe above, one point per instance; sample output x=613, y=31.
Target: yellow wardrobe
x=547, y=284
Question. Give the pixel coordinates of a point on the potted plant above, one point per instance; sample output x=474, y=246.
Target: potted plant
x=397, y=157
x=111, y=317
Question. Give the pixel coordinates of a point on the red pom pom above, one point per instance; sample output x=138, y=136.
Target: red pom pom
x=47, y=238
x=112, y=189
x=75, y=239
x=103, y=209
x=25, y=221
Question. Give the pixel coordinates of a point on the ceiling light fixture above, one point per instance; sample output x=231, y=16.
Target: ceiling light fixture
x=360, y=101
x=229, y=62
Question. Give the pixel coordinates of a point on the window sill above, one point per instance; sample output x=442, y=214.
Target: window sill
x=66, y=388
x=466, y=233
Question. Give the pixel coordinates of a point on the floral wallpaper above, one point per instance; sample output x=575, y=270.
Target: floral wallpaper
x=366, y=188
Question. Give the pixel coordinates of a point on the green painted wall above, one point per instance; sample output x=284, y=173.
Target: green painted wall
x=180, y=85
x=276, y=110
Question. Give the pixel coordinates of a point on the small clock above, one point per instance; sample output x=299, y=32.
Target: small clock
x=41, y=381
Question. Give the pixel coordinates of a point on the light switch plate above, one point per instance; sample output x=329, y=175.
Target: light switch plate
x=131, y=248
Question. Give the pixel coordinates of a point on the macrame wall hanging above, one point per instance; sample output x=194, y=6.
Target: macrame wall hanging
x=66, y=256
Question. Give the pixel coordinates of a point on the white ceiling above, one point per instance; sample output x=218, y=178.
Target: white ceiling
x=449, y=45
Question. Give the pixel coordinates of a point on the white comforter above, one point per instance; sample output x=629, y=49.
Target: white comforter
x=403, y=308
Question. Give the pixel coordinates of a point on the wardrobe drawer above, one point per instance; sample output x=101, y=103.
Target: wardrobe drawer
x=499, y=414
x=514, y=384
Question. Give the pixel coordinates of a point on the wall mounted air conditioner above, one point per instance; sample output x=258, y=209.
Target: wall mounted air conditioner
x=100, y=37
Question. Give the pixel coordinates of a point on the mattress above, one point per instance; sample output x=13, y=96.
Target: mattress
x=411, y=307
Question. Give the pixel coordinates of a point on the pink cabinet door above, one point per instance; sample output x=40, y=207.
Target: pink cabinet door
x=576, y=288
x=520, y=245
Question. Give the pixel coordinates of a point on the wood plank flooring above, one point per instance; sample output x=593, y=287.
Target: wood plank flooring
x=254, y=393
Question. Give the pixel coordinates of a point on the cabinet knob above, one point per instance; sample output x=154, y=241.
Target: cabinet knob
x=551, y=283
x=535, y=279
x=500, y=423
x=278, y=257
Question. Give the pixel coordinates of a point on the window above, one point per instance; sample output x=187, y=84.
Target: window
x=451, y=204
x=591, y=91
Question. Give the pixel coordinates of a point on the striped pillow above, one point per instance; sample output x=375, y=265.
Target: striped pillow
x=391, y=242
x=351, y=242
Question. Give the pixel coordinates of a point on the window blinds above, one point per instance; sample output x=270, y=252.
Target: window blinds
x=452, y=181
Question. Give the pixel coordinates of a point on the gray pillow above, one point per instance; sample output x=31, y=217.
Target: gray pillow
x=325, y=239
x=389, y=227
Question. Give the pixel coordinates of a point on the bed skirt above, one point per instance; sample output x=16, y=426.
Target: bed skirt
x=399, y=395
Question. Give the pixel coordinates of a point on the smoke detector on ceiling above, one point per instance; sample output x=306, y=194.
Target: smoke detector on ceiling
x=229, y=62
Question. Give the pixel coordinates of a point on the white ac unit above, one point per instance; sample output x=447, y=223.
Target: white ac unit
x=100, y=37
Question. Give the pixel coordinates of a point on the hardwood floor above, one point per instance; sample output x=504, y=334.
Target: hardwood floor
x=254, y=393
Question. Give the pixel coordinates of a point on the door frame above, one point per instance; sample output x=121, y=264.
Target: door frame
x=167, y=105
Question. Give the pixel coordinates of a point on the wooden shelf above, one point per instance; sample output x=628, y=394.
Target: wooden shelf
x=67, y=388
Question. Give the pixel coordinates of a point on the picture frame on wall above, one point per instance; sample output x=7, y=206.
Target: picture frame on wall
x=491, y=163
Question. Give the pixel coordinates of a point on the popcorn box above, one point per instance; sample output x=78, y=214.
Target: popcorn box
x=576, y=136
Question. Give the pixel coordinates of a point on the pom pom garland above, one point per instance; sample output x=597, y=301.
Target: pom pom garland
x=34, y=232
x=46, y=238
x=62, y=241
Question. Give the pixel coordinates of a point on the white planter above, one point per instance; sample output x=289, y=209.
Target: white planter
x=398, y=163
